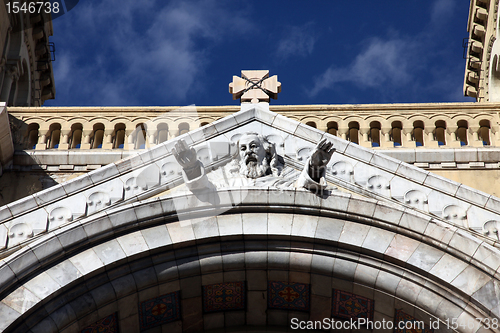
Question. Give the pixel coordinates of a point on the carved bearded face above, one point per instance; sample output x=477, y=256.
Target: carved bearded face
x=253, y=161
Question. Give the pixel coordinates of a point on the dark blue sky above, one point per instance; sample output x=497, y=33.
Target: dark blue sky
x=154, y=52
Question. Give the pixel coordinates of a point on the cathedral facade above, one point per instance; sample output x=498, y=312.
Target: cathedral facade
x=145, y=219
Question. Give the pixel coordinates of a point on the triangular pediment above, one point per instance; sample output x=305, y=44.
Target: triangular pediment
x=155, y=172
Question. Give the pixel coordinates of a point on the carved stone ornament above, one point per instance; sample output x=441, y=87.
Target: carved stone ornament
x=417, y=199
x=455, y=214
x=255, y=86
x=256, y=164
x=490, y=229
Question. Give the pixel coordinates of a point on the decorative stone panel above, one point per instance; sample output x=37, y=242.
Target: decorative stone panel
x=490, y=229
x=19, y=232
x=417, y=199
x=141, y=180
x=26, y=226
x=303, y=153
x=347, y=305
x=456, y=215
x=224, y=297
x=107, y=324
x=380, y=185
x=344, y=170
x=288, y=296
x=159, y=310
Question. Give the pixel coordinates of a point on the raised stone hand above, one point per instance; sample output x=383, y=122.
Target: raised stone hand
x=187, y=159
x=319, y=159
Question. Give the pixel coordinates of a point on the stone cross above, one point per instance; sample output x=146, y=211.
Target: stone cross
x=255, y=86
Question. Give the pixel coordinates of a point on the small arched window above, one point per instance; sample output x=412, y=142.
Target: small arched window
x=32, y=135
x=375, y=133
x=54, y=136
x=75, y=140
x=332, y=127
x=484, y=132
x=97, y=136
x=183, y=128
x=353, y=134
x=418, y=133
x=119, y=136
x=162, y=133
x=440, y=132
x=311, y=123
x=396, y=133
x=462, y=130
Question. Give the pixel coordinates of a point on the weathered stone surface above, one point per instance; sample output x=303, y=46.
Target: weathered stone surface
x=369, y=237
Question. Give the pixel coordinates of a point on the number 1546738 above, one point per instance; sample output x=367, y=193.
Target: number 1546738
x=32, y=7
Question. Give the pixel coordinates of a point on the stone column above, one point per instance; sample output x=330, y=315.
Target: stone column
x=407, y=139
x=86, y=133
x=342, y=132
x=364, y=140
x=108, y=136
x=385, y=138
x=475, y=142
x=42, y=137
x=497, y=138
x=63, y=144
x=151, y=141
x=451, y=137
x=128, y=140
x=495, y=130
x=322, y=126
x=430, y=141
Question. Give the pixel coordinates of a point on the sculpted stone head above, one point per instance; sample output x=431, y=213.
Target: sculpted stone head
x=257, y=155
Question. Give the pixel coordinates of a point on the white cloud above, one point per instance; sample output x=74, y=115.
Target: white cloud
x=382, y=62
x=63, y=70
x=297, y=41
x=442, y=10
x=395, y=65
x=116, y=52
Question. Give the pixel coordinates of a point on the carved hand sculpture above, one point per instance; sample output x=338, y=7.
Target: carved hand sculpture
x=319, y=159
x=187, y=159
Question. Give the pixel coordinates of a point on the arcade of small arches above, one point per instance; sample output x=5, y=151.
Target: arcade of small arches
x=141, y=136
x=418, y=134
x=373, y=132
